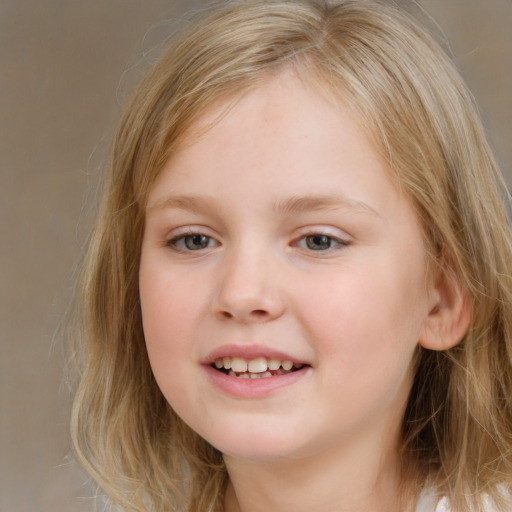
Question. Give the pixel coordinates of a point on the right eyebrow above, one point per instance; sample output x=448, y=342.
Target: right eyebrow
x=184, y=202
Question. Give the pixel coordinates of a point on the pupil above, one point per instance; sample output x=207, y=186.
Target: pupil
x=316, y=242
x=195, y=242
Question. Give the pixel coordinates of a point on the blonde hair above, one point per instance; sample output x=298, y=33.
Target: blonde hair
x=408, y=96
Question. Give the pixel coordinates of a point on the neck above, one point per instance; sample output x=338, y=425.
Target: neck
x=332, y=481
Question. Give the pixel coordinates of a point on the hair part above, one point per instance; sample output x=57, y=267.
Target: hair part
x=422, y=119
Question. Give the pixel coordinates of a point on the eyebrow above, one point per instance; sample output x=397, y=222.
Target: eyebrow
x=290, y=206
x=185, y=202
x=299, y=204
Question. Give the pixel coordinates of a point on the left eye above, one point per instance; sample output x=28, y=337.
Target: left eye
x=319, y=242
x=192, y=242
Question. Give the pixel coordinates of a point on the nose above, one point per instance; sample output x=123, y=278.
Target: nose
x=249, y=289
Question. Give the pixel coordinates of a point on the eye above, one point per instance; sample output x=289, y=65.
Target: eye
x=320, y=242
x=191, y=242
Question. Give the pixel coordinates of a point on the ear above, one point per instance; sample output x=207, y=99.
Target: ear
x=449, y=316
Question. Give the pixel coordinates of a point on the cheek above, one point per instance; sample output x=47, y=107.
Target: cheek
x=361, y=303
x=368, y=321
x=168, y=297
x=166, y=345
x=170, y=309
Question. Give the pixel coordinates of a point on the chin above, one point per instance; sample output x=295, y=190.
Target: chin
x=259, y=455
x=258, y=445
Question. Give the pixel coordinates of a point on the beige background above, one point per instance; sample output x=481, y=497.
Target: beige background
x=64, y=68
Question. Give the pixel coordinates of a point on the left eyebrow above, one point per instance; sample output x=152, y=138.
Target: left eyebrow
x=300, y=204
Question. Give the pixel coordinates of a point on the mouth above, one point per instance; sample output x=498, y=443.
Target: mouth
x=257, y=368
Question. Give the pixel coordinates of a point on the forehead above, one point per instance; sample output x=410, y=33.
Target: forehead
x=283, y=136
x=285, y=87
x=209, y=110
x=283, y=107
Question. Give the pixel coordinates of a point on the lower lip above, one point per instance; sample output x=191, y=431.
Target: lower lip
x=253, y=388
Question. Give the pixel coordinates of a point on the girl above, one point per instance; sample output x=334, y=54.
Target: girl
x=297, y=295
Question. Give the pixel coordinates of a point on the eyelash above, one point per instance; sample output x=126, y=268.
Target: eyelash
x=339, y=243
x=173, y=242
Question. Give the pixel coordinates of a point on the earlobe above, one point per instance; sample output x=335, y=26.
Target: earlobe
x=449, y=317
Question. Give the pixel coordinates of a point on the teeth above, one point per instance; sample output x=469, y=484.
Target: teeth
x=274, y=364
x=265, y=375
x=255, y=368
x=287, y=365
x=238, y=365
x=258, y=365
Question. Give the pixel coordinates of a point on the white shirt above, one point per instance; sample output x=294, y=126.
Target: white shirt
x=430, y=502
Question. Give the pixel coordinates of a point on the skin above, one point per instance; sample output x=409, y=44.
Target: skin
x=353, y=310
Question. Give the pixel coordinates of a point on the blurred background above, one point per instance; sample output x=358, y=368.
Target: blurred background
x=65, y=68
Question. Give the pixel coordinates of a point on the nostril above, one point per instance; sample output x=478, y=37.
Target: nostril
x=255, y=314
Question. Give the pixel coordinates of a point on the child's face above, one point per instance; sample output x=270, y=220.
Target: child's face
x=278, y=234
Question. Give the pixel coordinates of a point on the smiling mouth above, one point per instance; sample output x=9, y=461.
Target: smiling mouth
x=258, y=368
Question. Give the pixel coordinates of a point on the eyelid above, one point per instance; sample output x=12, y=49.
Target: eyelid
x=329, y=231
x=190, y=229
x=183, y=232
x=341, y=237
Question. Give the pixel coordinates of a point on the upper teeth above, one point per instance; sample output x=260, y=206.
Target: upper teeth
x=257, y=365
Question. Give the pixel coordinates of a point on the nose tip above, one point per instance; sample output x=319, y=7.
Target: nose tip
x=249, y=292
x=244, y=309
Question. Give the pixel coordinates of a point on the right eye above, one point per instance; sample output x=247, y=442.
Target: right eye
x=191, y=242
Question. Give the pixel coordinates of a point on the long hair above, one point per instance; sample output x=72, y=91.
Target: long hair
x=411, y=101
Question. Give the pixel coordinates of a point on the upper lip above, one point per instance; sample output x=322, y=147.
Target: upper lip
x=249, y=352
